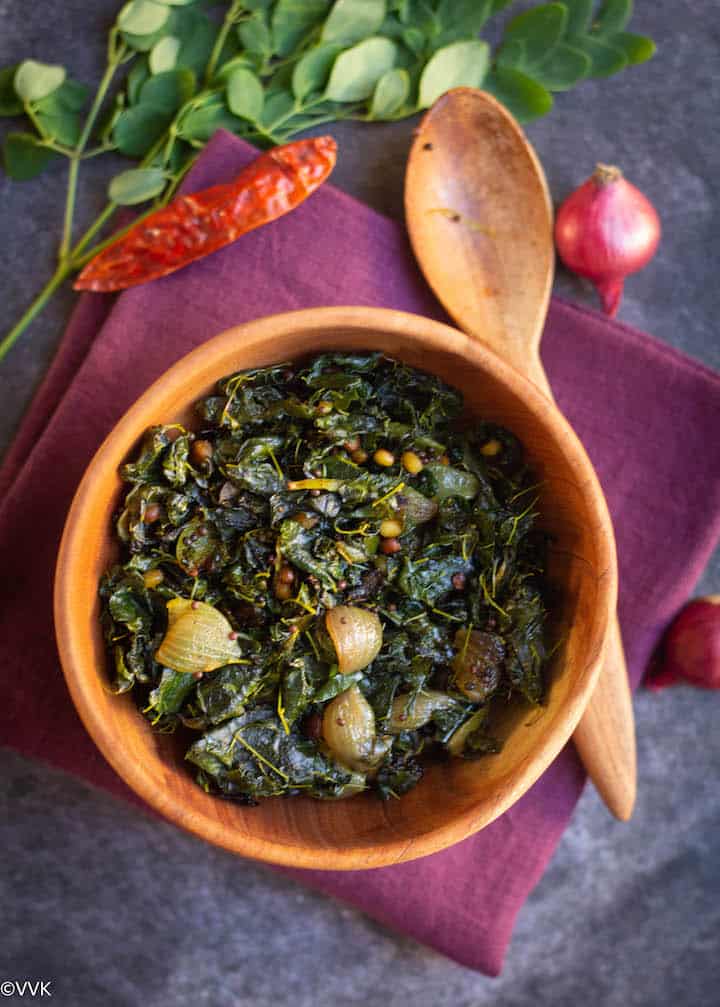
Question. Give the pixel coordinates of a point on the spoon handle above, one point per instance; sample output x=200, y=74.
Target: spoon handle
x=605, y=736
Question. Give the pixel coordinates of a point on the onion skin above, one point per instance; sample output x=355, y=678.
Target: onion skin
x=348, y=728
x=198, y=638
x=606, y=230
x=690, y=651
x=357, y=636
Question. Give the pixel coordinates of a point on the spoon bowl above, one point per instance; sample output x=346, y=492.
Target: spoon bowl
x=480, y=220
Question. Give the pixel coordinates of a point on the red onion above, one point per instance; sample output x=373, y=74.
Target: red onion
x=690, y=651
x=605, y=230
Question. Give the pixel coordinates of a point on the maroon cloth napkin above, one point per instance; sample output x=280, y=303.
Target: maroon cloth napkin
x=646, y=414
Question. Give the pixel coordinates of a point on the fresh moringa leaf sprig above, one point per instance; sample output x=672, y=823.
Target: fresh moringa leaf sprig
x=270, y=69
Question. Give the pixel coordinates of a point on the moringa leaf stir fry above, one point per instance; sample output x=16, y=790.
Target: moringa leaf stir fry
x=332, y=576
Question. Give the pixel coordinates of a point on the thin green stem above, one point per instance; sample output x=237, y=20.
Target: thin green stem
x=58, y=277
x=80, y=256
x=102, y=90
x=320, y=121
x=57, y=147
x=30, y=113
x=115, y=55
x=69, y=207
x=96, y=226
x=75, y=259
x=77, y=254
x=230, y=19
x=95, y=151
x=296, y=110
x=260, y=133
x=177, y=179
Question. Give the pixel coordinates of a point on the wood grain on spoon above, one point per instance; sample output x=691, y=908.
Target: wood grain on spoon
x=480, y=218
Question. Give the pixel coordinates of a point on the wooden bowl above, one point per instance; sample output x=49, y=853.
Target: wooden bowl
x=455, y=798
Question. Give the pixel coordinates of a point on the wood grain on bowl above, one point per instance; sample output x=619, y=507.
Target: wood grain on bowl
x=454, y=799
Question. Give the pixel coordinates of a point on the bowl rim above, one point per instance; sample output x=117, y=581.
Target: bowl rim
x=70, y=560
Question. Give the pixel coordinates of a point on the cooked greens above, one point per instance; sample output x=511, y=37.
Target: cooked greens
x=335, y=574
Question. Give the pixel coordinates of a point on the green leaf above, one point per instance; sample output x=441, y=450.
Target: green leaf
x=421, y=14
x=637, y=48
x=292, y=20
x=227, y=69
x=136, y=186
x=138, y=128
x=460, y=64
x=58, y=114
x=391, y=27
x=72, y=94
x=302, y=121
x=200, y=124
x=278, y=105
x=563, y=68
x=415, y=40
x=136, y=78
x=461, y=19
x=512, y=54
x=24, y=157
x=353, y=20
x=10, y=104
x=176, y=3
x=34, y=80
x=170, y=694
x=612, y=16
x=357, y=70
x=539, y=29
x=312, y=70
x=142, y=43
x=168, y=91
x=197, y=34
x=57, y=122
x=391, y=93
x=522, y=96
x=142, y=17
x=606, y=59
x=163, y=55
x=335, y=685
x=245, y=95
x=579, y=16
x=107, y=119
x=179, y=154
x=255, y=36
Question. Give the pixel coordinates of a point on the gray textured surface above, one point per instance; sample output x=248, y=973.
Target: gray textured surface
x=119, y=909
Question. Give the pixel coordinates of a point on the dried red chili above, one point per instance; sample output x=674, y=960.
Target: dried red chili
x=192, y=226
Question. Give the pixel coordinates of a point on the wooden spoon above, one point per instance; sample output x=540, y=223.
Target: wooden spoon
x=480, y=220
